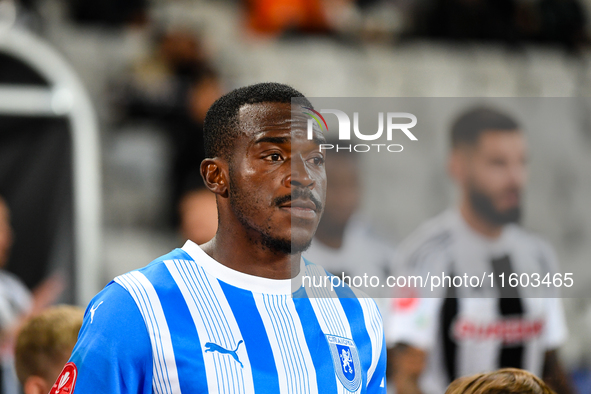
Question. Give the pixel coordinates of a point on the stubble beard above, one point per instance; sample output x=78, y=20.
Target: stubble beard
x=260, y=234
x=485, y=208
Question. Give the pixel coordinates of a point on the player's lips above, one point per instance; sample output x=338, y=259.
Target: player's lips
x=304, y=209
x=511, y=199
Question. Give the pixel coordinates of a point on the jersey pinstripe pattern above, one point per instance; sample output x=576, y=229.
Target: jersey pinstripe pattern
x=373, y=323
x=209, y=329
x=215, y=324
x=165, y=378
x=285, y=333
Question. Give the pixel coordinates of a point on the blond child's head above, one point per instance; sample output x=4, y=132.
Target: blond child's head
x=502, y=381
x=44, y=345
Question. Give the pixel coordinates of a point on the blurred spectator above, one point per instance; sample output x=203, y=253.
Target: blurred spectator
x=352, y=20
x=493, y=326
x=471, y=19
x=563, y=22
x=197, y=207
x=548, y=21
x=406, y=363
x=174, y=89
x=344, y=241
x=13, y=290
x=276, y=17
x=44, y=345
x=109, y=13
x=506, y=380
x=203, y=91
x=158, y=86
x=16, y=301
x=36, y=181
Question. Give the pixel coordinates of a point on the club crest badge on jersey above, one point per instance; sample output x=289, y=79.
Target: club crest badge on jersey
x=66, y=380
x=346, y=361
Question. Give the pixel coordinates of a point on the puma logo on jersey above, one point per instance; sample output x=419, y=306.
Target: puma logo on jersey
x=92, y=310
x=212, y=347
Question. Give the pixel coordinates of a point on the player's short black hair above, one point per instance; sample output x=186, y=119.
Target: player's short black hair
x=221, y=122
x=468, y=127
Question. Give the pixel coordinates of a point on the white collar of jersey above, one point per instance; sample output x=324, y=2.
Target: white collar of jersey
x=241, y=280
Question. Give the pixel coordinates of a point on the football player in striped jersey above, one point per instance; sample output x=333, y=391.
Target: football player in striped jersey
x=233, y=315
x=470, y=330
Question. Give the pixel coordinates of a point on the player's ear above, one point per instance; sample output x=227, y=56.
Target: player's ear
x=455, y=164
x=215, y=174
x=36, y=385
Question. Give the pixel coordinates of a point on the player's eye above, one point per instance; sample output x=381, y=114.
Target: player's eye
x=498, y=162
x=317, y=160
x=274, y=157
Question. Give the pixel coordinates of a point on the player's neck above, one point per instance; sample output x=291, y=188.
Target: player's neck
x=331, y=236
x=240, y=253
x=479, y=224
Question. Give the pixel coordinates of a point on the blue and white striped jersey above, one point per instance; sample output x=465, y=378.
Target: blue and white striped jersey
x=188, y=324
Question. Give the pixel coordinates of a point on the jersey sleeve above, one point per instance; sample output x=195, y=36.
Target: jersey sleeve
x=377, y=382
x=113, y=353
x=15, y=299
x=374, y=326
x=413, y=321
x=555, y=331
x=412, y=317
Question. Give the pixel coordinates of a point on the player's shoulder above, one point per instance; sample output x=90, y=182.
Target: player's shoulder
x=434, y=236
x=318, y=277
x=118, y=305
x=156, y=272
x=160, y=262
x=113, y=300
x=364, y=232
x=113, y=337
x=13, y=286
x=436, y=229
x=527, y=237
x=310, y=267
x=534, y=244
x=334, y=288
x=118, y=294
x=110, y=316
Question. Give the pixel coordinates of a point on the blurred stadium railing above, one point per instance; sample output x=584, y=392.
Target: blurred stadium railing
x=64, y=96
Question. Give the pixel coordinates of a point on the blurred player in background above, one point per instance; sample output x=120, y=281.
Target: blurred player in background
x=345, y=242
x=16, y=302
x=197, y=212
x=466, y=333
x=173, y=88
x=222, y=317
x=15, y=299
x=506, y=380
x=43, y=346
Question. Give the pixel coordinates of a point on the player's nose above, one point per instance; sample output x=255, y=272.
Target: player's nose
x=299, y=175
x=517, y=174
